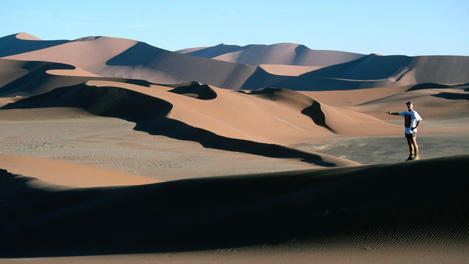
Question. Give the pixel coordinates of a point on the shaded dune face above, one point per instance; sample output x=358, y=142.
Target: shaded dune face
x=183, y=67
x=421, y=86
x=316, y=114
x=12, y=45
x=212, y=52
x=388, y=203
x=195, y=90
x=37, y=80
x=364, y=68
x=453, y=96
x=104, y=101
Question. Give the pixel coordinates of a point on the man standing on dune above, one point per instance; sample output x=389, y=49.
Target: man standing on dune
x=411, y=122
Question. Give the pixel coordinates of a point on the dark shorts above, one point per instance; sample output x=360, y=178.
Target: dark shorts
x=411, y=135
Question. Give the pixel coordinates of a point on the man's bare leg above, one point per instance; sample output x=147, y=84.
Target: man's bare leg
x=415, y=146
x=411, y=147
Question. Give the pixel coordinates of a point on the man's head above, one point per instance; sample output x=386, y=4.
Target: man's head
x=410, y=105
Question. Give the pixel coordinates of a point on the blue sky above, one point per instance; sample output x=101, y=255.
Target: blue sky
x=386, y=27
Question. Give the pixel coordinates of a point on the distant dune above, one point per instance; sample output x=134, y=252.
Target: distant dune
x=177, y=67
x=371, y=71
x=27, y=78
x=239, y=67
x=23, y=42
x=282, y=53
x=113, y=57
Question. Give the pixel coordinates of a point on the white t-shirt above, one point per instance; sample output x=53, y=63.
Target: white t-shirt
x=410, y=120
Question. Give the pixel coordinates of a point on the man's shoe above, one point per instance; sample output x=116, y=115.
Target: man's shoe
x=411, y=157
x=416, y=157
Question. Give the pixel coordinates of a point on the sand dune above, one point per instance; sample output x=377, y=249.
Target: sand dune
x=237, y=115
x=374, y=71
x=268, y=116
x=90, y=53
x=239, y=122
x=180, y=67
x=151, y=114
x=282, y=53
x=11, y=70
x=273, y=208
x=27, y=78
x=443, y=107
x=68, y=174
x=26, y=36
x=338, y=120
x=228, y=66
x=114, y=57
x=434, y=103
x=210, y=52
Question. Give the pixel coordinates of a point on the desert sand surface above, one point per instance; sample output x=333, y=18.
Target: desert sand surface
x=330, y=255
x=61, y=173
x=76, y=137
x=287, y=70
x=112, y=150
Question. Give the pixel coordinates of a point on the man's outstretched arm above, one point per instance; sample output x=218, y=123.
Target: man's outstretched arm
x=392, y=113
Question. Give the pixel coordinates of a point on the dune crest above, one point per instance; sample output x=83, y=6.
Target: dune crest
x=26, y=36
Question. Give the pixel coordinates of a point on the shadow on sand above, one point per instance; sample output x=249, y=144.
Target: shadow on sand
x=417, y=201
